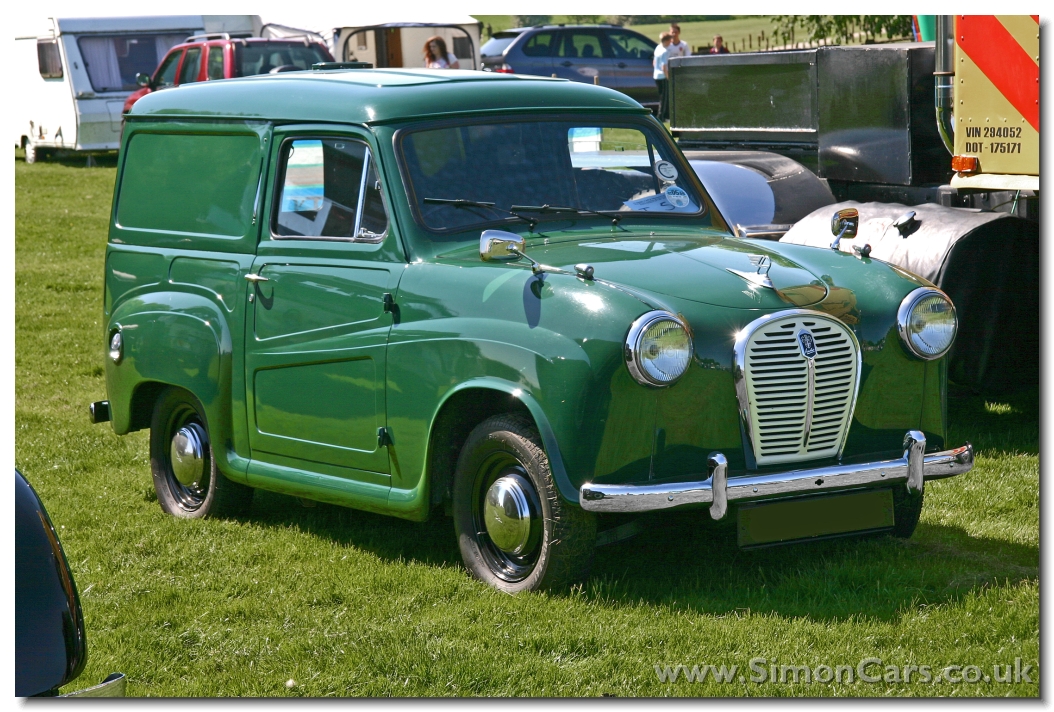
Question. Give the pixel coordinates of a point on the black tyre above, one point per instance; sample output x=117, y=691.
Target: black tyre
x=187, y=481
x=515, y=531
x=907, y=508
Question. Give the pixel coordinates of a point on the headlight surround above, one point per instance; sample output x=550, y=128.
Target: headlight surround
x=658, y=349
x=927, y=323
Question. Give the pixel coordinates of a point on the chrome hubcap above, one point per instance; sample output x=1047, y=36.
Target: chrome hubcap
x=509, y=514
x=188, y=455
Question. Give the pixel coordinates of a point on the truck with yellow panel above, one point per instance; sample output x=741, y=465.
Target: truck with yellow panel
x=995, y=73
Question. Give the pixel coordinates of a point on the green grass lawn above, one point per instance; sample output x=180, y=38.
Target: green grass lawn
x=348, y=603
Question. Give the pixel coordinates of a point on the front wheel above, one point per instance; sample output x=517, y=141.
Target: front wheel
x=188, y=483
x=515, y=531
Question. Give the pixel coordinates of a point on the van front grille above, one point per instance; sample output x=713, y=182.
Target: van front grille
x=799, y=379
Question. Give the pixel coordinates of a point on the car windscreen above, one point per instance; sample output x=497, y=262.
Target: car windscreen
x=113, y=61
x=497, y=44
x=264, y=57
x=470, y=174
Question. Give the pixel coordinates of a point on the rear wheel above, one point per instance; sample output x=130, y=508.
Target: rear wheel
x=187, y=481
x=515, y=531
x=907, y=508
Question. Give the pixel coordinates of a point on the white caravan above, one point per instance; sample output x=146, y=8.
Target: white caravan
x=381, y=39
x=72, y=74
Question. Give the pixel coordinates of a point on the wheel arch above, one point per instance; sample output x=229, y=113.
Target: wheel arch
x=467, y=405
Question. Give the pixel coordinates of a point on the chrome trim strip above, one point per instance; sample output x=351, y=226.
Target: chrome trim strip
x=915, y=449
x=810, y=398
x=718, y=466
x=718, y=490
x=113, y=686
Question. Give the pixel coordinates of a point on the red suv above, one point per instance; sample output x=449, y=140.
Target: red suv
x=217, y=56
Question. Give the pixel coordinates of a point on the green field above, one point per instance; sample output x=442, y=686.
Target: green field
x=348, y=603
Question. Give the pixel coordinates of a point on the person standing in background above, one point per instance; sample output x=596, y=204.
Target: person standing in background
x=719, y=45
x=678, y=48
x=436, y=56
x=660, y=63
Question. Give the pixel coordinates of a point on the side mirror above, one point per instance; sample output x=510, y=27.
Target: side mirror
x=500, y=246
x=142, y=80
x=844, y=223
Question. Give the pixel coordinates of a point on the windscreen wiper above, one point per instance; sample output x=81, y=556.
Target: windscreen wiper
x=614, y=215
x=462, y=203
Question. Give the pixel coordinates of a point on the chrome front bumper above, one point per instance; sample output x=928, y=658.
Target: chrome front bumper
x=914, y=468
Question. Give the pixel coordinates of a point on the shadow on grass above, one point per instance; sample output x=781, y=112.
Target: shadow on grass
x=996, y=425
x=684, y=561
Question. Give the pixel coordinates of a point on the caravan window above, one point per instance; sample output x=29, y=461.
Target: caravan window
x=112, y=62
x=48, y=60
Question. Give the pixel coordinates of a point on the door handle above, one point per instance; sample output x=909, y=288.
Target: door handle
x=621, y=65
x=566, y=64
x=256, y=278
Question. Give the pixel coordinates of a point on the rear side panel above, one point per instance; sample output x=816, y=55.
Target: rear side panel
x=183, y=233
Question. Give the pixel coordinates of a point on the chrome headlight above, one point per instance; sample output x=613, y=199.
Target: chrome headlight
x=658, y=349
x=926, y=322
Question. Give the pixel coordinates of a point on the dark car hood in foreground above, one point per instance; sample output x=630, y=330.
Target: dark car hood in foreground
x=693, y=267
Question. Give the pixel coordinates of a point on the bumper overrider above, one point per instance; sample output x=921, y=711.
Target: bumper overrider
x=913, y=469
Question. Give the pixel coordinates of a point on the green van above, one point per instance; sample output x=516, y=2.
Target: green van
x=504, y=298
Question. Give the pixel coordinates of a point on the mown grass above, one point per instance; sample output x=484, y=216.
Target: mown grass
x=349, y=603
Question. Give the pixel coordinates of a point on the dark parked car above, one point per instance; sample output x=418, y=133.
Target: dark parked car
x=619, y=58
x=50, y=645
x=216, y=56
x=761, y=194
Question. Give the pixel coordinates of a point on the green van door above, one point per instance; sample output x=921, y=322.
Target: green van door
x=318, y=325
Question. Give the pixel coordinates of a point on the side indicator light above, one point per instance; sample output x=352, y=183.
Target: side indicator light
x=965, y=164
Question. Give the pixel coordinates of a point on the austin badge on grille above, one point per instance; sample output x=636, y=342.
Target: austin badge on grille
x=806, y=343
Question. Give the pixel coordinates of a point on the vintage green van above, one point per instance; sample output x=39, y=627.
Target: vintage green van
x=504, y=298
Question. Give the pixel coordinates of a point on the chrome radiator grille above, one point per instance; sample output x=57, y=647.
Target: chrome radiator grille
x=797, y=377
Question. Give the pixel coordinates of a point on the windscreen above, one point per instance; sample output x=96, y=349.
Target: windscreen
x=471, y=174
x=264, y=57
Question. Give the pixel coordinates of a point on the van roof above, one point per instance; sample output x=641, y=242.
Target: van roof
x=374, y=96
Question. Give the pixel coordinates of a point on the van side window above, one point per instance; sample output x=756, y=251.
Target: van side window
x=374, y=221
x=325, y=182
x=48, y=60
x=190, y=183
x=191, y=66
